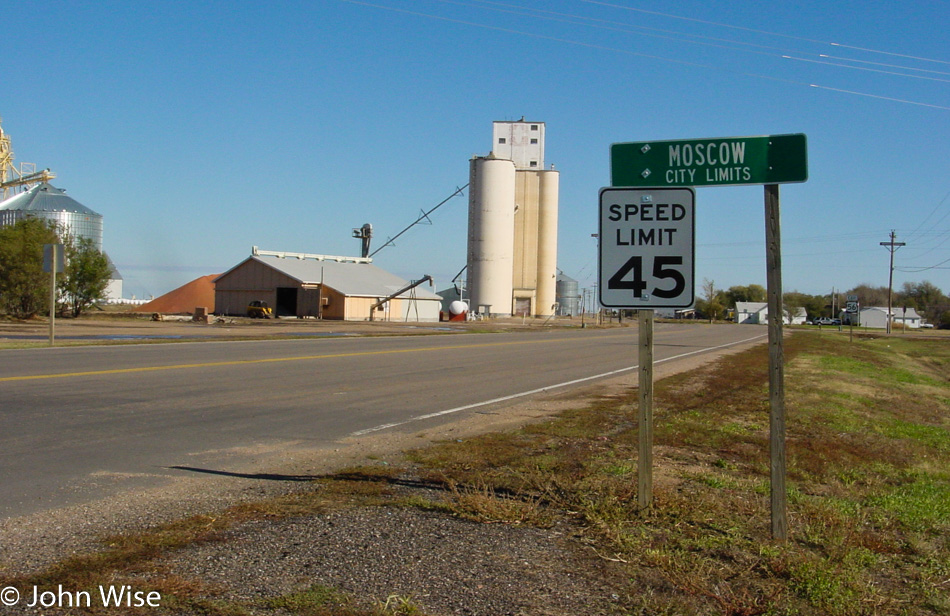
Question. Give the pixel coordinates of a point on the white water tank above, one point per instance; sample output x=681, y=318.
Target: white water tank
x=491, y=213
x=457, y=307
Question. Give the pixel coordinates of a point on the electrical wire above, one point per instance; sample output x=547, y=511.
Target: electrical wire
x=644, y=55
x=906, y=68
x=924, y=221
x=779, y=34
x=679, y=37
x=916, y=270
x=617, y=26
x=864, y=68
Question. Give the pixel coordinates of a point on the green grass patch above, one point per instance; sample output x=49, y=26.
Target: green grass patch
x=868, y=492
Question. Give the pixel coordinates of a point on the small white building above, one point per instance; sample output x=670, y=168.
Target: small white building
x=799, y=318
x=757, y=313
x=674, y=313
x=752, y=313
x=876, y=317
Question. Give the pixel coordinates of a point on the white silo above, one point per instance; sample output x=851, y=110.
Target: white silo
x=491, y=212
x=547, y=243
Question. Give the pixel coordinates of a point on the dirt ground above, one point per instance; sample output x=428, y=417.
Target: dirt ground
x=132, y=327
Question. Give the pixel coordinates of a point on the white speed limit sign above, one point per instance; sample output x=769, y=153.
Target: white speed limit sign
x=647, y=242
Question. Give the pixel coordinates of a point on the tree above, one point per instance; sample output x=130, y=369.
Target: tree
x=792, y=302
x=926, y=297
x=24, y=286
x=711, y=306
x=87, y=275
x=870, y=296
x=750, y=293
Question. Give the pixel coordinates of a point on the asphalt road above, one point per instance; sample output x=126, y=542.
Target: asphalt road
x=71, y=415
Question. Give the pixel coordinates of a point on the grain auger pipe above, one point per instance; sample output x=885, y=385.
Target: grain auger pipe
x=408, y=287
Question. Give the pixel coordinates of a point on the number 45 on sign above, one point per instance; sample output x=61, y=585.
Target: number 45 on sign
x=647, y=242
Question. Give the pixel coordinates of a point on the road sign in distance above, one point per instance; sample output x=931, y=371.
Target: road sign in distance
x=772, y=159
x=647, y=243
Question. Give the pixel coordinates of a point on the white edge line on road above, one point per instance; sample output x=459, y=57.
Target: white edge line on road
x=522, y=394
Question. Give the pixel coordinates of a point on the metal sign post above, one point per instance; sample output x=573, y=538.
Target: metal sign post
x=852, y=308
x=647, y=241
x=53, y=261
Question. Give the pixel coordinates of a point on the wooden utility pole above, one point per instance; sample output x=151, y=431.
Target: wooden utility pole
x=645, y=457
x=773, y=260
x=892, y=246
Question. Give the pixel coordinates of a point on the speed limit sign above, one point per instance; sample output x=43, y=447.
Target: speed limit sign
x=647, y=242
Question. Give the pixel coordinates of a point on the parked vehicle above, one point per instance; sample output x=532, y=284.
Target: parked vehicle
x=259, y=310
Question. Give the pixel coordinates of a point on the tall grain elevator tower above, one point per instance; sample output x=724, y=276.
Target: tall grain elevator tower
x=512, y=224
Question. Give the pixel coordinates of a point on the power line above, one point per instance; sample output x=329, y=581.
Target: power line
x=593, y=22
x=886, y=98
x=678, y=36
x=643, y=55
x=756, y=31
x=864, y=68
x=924, y=221
x=906, y=68
x=917, y=270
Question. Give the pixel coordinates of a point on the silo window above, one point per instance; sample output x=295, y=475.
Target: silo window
x=501, y=140
x=534, y=127
x=534, y=142
x=534, y=163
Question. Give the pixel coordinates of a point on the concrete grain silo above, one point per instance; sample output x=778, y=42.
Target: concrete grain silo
x=513, y=216
x=547, y=243
x=491, y=212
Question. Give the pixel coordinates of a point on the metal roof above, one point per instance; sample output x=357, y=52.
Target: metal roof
x=352, y=279
x=44, y=197
x=112, y=268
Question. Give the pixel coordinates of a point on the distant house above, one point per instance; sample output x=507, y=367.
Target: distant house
x=757, y=313
x=320, y=286
x=907, y=318
x=799, y=318
x=675, y=313
x=752, y=313
x=875, y=317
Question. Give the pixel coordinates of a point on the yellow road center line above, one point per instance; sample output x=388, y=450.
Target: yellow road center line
x=245, y=362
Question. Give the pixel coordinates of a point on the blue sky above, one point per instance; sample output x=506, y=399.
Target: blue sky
x=199, y=129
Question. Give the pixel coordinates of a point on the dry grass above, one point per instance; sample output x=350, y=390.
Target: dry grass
x=869, y=485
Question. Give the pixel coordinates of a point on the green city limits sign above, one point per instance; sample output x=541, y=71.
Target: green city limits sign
x=772, y=159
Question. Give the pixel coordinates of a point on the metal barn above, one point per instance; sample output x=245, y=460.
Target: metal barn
x=320, y=286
